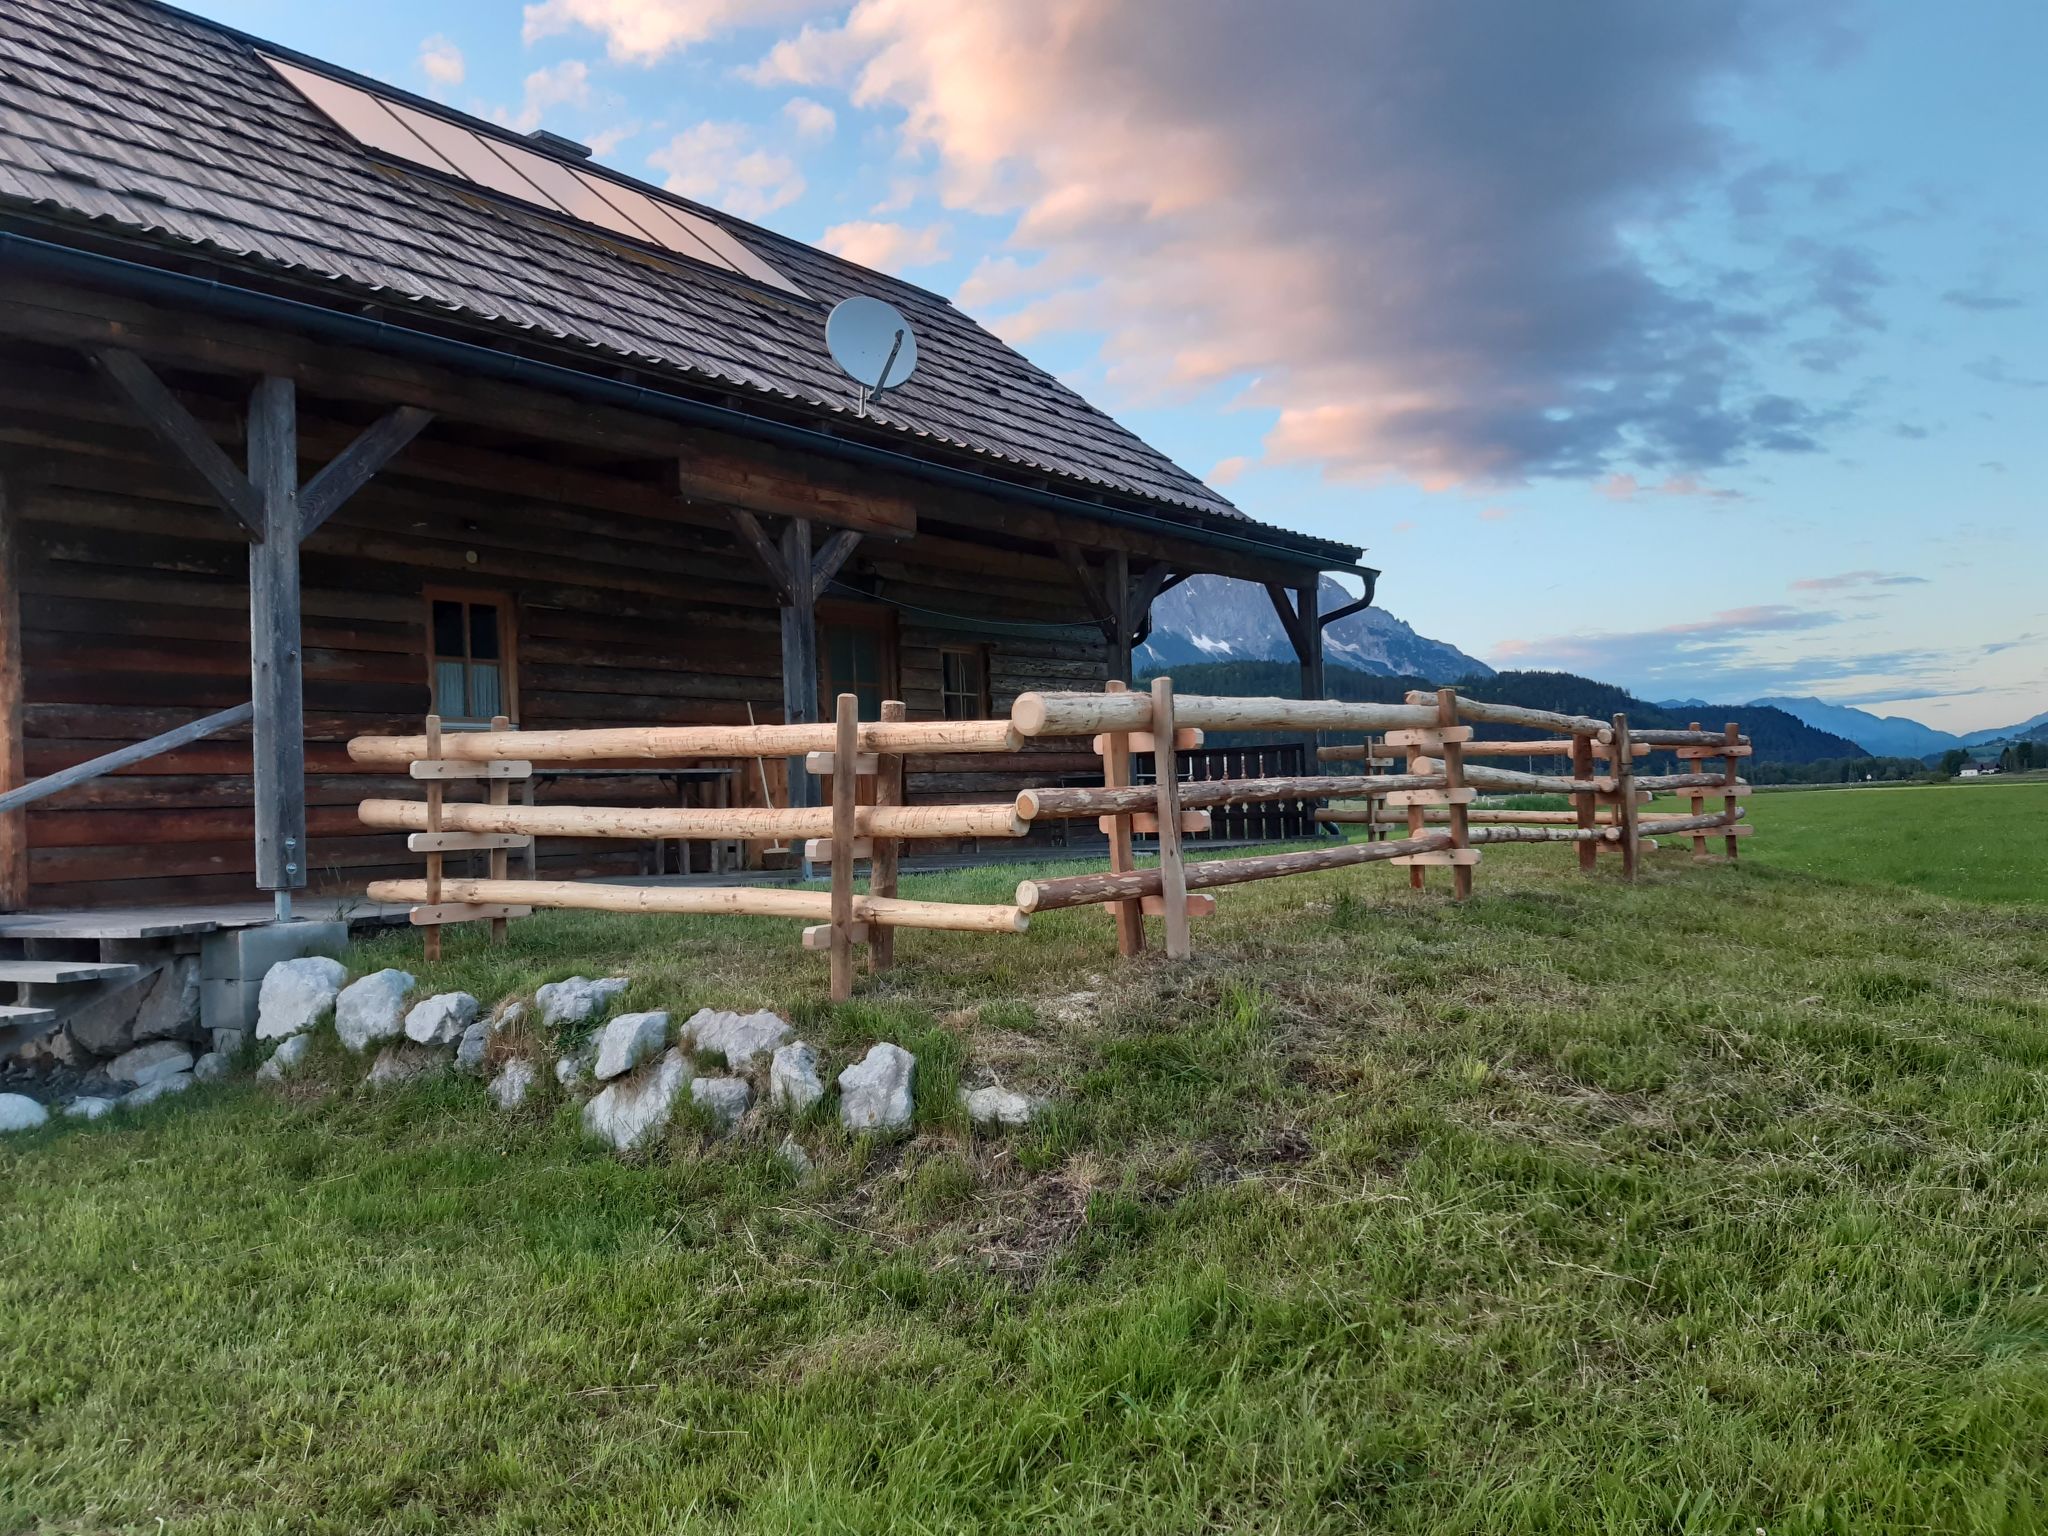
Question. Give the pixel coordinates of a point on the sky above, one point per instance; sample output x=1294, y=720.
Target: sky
x=1701, y=347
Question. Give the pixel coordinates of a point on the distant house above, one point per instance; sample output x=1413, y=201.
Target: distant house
x=323, y=397
x=1973, y=770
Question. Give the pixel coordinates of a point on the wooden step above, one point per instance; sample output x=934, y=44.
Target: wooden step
x=15, y=1016
x=57, y=973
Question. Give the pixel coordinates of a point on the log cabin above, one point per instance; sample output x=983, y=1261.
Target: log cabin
x=324, y=407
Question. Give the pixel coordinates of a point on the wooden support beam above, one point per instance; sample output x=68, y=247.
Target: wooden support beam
x=1290, y=620
x=1116, y=774
x=755, y=537
x=354, y=467
x=275, y=659
x=1453, y=749
x=1117, y=581
x=1145, y=589
x=1624, y=789
x=799, y=652
x=826, y=563
x=1733, y=744
x=163, y=413
x=1584, y=812
x=13, y=766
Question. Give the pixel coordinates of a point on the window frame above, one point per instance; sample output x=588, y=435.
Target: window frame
x=978, y=658
x=508, y=650
x=870, y=616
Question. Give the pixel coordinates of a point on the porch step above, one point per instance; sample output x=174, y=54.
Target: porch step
x=15, y=1017
x=57, y=973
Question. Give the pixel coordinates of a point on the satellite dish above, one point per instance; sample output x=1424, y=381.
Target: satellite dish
x=873, y=343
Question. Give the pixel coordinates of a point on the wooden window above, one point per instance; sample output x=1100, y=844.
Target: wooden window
x=856, y=655
x=470, y=656
x=963, y=682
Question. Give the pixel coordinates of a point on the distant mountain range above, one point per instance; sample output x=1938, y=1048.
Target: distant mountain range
x=1218, y=618
x=1214, y=619
x=1892, y=736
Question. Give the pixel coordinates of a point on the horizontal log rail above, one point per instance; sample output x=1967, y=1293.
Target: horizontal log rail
x=663, y=743
x=1702, y=823
x=1657, y=738
x=749, y=823
x=726, y=900
x=123, y=757
x=1208, y=794
x=1091, y=890
x=1479, y=712
x=1090, y=714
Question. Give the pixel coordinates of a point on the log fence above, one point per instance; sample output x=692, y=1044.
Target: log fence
x=1420, y=800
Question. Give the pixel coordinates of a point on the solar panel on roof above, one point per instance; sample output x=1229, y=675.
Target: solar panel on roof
x=441, y=144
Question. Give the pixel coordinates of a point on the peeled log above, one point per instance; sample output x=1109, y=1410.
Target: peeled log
x=748, y=822
x=1686, y=738
x=1546, y=834
x=1089, y=714
x=728, y=900
x=1707, y=823
x=1087, y=890
x=1206, y=794
x=664, y=743
x=1533, y=719
x=1712, y=782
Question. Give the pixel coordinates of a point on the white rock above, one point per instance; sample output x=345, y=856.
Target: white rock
x=88, y=1107
x=627, y=1041
x=739, y=1037
x=469, y=1054
x=297, y=995
x=874, y=1093
x=404, y=1063
x=579, y=999
x=793, y=1080
x=509, y=1015
x=441, y=1019
x=157, y=1088
x=510, y=1086
x=19, y=1112
x=793, y=1157
x=371, y=1011
x=211, y=1067
x=147, y=1063
x=284, y=1061
x=633, y=1108
x=726, y=1097
x=999, y=1106
x=569, y=1070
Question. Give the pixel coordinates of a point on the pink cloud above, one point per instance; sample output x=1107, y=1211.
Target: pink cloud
x=887, y=247
x=1629, y=488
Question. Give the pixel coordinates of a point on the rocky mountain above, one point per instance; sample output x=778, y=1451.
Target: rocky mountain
x=1218, y=618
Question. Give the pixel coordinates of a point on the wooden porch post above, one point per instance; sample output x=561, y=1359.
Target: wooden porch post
x=275, y=662
x=799, y=651
x=13, y=768
x=1123, y=622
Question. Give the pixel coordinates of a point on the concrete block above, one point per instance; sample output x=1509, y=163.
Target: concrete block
x=244, y=954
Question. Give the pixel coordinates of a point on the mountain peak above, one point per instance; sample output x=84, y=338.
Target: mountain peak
x=1219, y=618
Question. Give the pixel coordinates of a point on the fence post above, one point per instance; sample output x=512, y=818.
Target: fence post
x=1624, y=761
x=886, y=859
x=1730, y=777
x=431, y=943
x=1582, y=801
x=1173, y=880
x=1416, y=817
x=1116, y=774
x=501, y=858
x=845, y=790
x=1454, y=781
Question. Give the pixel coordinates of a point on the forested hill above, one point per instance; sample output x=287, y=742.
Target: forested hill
x=1776, y=736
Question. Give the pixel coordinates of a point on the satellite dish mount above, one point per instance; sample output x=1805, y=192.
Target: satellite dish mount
x=875, y=346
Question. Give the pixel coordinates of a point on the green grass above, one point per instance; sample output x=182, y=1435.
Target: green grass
x=1715, y=1204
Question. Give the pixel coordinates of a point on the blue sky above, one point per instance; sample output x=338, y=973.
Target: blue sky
x=1700, y=347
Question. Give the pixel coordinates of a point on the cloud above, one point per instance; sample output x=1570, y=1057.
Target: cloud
x=719, y=164
x=813, y=120
x=1629, y=488
x=642, y=31
x=1981, y=298
x=1996, y=370
x=441, y=60
x=1419, y=241
x=1851, y=580
x=887, y=247
x=566, y=84
x=1227, y=471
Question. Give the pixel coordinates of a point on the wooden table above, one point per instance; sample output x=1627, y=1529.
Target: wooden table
x=679, y=779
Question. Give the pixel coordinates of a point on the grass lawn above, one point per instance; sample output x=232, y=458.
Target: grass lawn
x=1715, y=1204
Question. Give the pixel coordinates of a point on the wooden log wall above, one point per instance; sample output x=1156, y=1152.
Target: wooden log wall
x=133, y=596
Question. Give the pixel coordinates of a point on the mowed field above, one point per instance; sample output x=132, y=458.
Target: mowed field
x=1718, y=1203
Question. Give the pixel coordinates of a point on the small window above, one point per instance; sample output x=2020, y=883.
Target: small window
x=963, y=682
x=472, y=674
x=856, y=652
